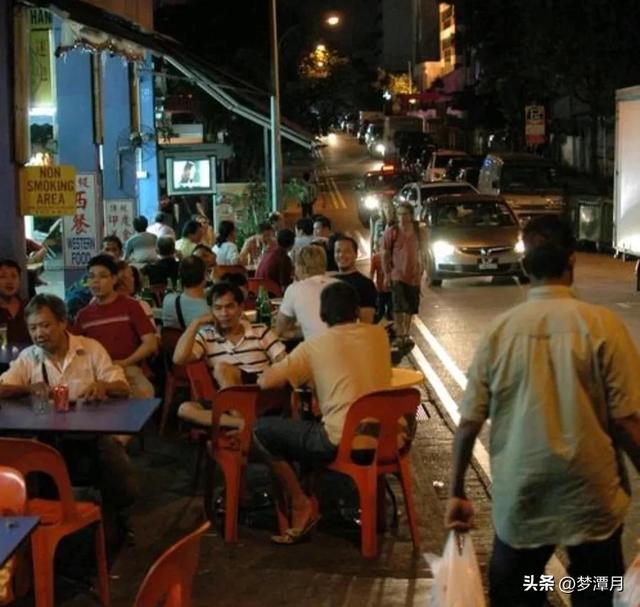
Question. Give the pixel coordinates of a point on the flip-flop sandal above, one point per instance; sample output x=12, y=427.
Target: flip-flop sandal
x=295, y=535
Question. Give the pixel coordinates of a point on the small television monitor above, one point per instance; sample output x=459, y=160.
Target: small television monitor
x=191, y=175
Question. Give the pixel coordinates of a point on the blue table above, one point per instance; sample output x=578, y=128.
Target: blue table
x=115, y=416
x=13, y=531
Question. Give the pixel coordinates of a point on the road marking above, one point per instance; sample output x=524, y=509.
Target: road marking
x=448, y=362
x=337, y=192
x=626, y=306
x=554, y=566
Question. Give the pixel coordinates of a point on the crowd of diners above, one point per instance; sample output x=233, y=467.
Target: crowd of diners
x=104, y=340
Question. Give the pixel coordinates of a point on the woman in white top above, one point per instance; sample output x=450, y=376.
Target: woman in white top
x=226, y=250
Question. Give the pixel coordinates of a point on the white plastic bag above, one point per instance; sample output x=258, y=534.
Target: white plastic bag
x=456, y=575
x=630, y=596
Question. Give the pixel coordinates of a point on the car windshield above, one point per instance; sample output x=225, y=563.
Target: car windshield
x=472, y=215
x=528, y=178
x=386, y=181
x=463, y=188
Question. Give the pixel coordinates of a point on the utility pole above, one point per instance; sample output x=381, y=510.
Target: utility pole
x=276, y=139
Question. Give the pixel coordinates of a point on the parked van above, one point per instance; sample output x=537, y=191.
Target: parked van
x=437, y=166
x=529, y=183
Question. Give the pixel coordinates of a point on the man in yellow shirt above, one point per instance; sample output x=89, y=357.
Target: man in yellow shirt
x=344, y=362
x=557, y=378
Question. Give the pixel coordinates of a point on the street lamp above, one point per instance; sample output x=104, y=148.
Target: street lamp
x=276, y=139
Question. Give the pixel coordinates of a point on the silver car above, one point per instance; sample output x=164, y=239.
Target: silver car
x=472, y=235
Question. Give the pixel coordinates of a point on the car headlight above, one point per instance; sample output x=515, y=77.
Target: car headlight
x=380, y=148
x=519, y=246
x=442, y=248
x=371, y=202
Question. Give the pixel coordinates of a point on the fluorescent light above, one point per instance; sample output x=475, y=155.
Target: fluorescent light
x=43, y=110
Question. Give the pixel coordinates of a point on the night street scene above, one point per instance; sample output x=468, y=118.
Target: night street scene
x=325, y=303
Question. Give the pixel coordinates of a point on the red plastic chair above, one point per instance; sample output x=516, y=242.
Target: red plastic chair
x=175, y=375
x=170, y=579
x=58, y=518
x=387, y=408
x=13, y=501
x=272, y=287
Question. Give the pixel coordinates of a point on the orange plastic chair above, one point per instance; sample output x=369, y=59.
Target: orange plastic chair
x=387, y=408
x=175, y=375
x=170, y=579
x=58, y=518
x=13, y=501
x=220, y=271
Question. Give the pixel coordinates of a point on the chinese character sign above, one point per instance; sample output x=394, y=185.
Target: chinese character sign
x=118, y=218
x=81, y=229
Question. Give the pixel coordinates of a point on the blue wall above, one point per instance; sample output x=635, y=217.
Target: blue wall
x=148, y=190
x=117, y=124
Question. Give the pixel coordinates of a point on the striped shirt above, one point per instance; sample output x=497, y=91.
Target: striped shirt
x=257, y=350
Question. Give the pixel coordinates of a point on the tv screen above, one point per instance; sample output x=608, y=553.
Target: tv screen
x=190, y=176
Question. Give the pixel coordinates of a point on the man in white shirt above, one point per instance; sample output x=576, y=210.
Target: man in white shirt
x=58, y=357
x=301, y=302
x=160, y=227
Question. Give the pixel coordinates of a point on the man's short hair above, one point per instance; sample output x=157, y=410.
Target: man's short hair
x=160, y=218
x=323, y=220
x=286, y=238
x=166, y=246
x=112, y=238
x=275, y=217
x=305, y=225
x=265, y=226
x=191, y=227
x=220, y=289
x=312, y=259
x=344, y=237
x=10, y=263
x=235, y=278
x=202, y=247
x=46, y=300
x=106, y=261
x=339, y=303
x=192, y=271
x=140, y=223
x=549, y=244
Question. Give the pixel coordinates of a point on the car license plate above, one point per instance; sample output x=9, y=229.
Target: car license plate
x=487, y=264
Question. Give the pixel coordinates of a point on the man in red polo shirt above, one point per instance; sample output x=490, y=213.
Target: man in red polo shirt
x=276, y=263
x=118, y=323
x=11, y=305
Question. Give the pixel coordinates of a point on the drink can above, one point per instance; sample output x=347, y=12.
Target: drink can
x=61, y=397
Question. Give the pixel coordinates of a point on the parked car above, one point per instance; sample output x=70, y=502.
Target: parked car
x=417, y=194
x=472, y=235
x=376, y=186
x=437, y=166
x=529, y=183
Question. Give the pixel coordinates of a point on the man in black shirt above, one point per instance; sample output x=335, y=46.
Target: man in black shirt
x=346, y=253
x=166, y=266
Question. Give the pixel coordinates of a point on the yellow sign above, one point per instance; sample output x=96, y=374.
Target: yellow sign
x=48, y=191
x=40, y=59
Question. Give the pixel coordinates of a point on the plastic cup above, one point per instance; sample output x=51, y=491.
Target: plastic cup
x=40, y=400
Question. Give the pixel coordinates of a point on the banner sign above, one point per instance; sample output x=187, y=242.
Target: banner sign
x=534, y=129
x=48, y=191
x=118, y=218
x=40, y=59
x=81, y=231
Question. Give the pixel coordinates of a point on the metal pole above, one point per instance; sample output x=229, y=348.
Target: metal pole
x=276, y=141
x=267, y=164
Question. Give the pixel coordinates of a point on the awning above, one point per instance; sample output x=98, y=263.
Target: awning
x=236, y=95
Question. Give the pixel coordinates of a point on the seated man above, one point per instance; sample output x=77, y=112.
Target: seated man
x=275, y=263
x=257, y=245
x=112, y=245
x=236, y=351
x=304, y=235
x=301, y=301
x=165, y=266
x=347, y=361
x=346, y=254
x=141, y=247
x=11, y=305
x=85, y=366
x=192, y=235
x=161, y=227
x=179, y=310
x=119, y=324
